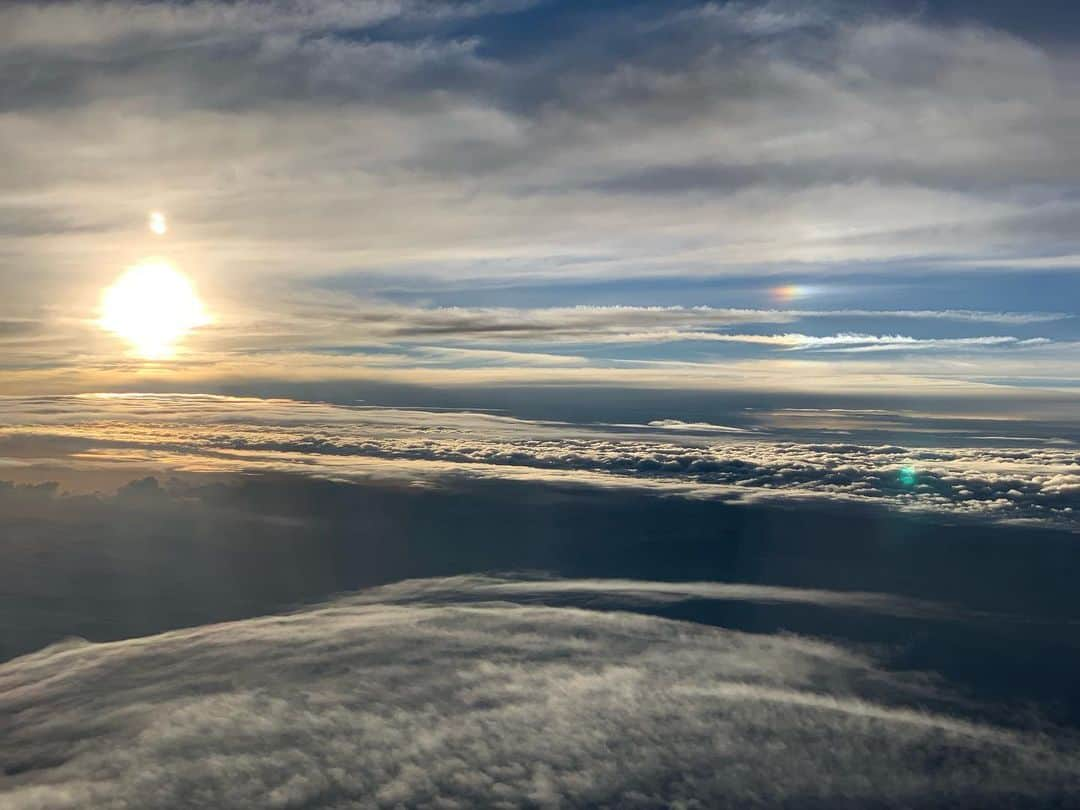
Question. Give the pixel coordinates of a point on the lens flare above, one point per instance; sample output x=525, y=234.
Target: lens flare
x=908, y=476
x=152, y=306
x=157, y=223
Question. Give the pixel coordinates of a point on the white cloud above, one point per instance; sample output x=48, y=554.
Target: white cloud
x=341, y=335
x=220, y=433
x=626, y=592
x=848, y=342
x=389, y=700
x=692, y=427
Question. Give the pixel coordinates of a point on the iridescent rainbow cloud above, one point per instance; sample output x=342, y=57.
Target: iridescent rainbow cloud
x=790, y=292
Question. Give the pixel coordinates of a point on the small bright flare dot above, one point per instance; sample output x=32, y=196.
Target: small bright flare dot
x=157, y=223
x=152, y=306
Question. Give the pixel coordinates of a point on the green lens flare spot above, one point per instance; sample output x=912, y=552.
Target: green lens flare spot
x=907, y=476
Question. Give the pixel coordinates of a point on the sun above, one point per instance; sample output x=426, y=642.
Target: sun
x=157, y=224
x=152, y=306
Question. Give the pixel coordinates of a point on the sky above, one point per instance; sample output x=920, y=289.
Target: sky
x=539, y=404
x=863, y=197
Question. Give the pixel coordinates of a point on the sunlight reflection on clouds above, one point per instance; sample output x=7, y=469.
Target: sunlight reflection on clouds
x=224, y=434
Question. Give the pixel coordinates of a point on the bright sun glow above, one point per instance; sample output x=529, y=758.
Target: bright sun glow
x=157, y=223
x=152, y=306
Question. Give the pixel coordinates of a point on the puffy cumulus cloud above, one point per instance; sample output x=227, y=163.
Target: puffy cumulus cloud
x=395, y=699
x=209, y=432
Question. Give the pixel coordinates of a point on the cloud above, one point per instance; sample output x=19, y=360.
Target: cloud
x=692, y=427
x=848, y=342
x=65, y=25
x=842, y=342
x=388, y=700
x=302, y=141
x=341, y=335
x=178, y=432
x=601, y=324
x=13, y=330
x=498, y=357
x=623, y=593
x=823, y=140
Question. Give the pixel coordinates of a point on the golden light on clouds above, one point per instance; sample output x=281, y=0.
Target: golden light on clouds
x=157, y=223
x=152, y=306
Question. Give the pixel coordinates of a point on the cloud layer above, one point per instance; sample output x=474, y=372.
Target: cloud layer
x=1039, y=481
x=857, y=133
x=390, y=699
x=305, y=144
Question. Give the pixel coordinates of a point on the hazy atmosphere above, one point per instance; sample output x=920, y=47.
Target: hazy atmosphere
x=539, y=404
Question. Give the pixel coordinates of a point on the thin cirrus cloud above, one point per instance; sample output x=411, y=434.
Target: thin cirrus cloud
x=627, y=592
x=320, y=321
x=615, y=323
x=349, y=337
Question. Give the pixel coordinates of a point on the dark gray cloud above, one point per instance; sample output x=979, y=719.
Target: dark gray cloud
x=388, y=700
x=16, y=328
